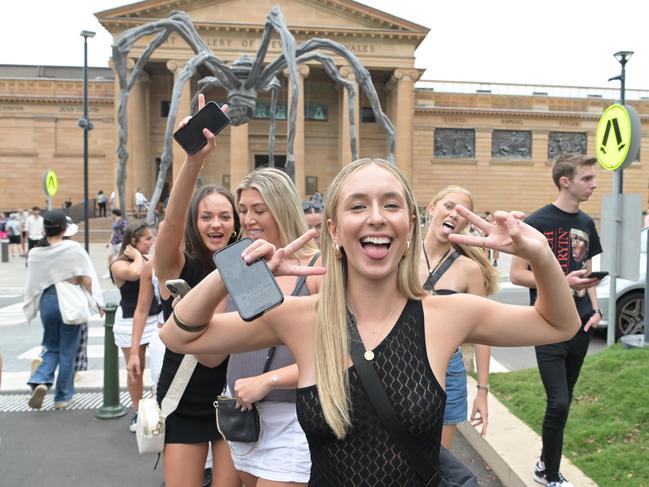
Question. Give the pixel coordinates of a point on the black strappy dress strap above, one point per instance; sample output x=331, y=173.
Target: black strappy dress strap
x=435, y=276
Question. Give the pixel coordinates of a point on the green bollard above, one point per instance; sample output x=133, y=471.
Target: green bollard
x=112, y=407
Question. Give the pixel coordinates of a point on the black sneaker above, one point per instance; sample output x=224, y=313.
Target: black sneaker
x=539, y=473
x=133, y=424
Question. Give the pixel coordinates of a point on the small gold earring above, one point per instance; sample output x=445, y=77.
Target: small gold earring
x=406, y=252
x=234, y=233
x=337, y=252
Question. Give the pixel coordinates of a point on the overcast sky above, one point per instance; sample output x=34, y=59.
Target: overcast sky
x=567, y=42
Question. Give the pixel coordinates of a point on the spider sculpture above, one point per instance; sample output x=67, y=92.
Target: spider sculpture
x=243, y=80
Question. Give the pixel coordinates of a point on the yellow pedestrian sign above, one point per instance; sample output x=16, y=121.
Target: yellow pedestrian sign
x=50, y=183
x=617, y=138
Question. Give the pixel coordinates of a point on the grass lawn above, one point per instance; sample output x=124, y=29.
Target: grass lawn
x=607, y=435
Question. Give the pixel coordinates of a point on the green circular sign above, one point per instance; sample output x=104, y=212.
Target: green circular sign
x=50, y=183
x=617, y=138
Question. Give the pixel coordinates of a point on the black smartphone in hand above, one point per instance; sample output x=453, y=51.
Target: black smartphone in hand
x=596, y=275
x=252, y=287
x=191, y=138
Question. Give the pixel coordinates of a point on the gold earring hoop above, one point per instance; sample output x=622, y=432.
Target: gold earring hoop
x=337, y=252
x=234, y=233
x=406, y=252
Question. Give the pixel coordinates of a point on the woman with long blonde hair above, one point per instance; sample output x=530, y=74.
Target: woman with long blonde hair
x=370, y=254
x=270, y=209
x=447, y=268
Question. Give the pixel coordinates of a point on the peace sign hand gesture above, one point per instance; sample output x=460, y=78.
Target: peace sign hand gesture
x=280, y=261
x=508, y=233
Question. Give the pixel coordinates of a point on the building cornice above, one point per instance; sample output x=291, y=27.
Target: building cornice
x=54, y=99
x=122, y=23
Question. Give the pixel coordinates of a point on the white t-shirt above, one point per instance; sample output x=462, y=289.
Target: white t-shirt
x=140, y=199
x=34, y=227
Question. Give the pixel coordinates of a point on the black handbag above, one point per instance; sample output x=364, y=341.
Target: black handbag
x=449, y=471
x=235, y=424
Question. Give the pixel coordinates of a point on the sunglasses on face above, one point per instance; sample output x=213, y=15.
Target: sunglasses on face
x=309, y=205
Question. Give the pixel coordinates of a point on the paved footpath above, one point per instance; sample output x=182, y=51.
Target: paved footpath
x=72, y=447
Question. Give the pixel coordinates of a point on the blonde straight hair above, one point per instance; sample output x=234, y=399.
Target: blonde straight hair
x=332, y=337
x=279, y=193
x=489, y=273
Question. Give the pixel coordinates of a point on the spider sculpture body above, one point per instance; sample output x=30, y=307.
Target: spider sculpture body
x=243, y=80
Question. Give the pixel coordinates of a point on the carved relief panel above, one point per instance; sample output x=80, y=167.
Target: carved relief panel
x=566, y=143
x=454, y=143
x=511, y=144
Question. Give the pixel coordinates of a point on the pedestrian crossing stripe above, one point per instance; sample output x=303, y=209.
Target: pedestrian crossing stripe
x=17, y=403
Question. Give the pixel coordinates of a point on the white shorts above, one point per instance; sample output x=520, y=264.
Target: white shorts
x=123, y=329
x=156, y=356
x=113, y=249
x=282, y=452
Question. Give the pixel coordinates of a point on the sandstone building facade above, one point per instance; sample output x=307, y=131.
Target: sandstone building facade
x=496, y=140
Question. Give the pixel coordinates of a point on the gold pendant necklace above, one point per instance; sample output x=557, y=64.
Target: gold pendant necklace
x=369, y=352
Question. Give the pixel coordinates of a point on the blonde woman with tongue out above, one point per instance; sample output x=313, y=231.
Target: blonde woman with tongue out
x=449, y=268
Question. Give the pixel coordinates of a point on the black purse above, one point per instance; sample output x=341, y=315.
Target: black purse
x=235, y=424
x=448, y=471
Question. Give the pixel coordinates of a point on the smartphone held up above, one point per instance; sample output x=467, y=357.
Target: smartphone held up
x=251, y=287
x=210, y=117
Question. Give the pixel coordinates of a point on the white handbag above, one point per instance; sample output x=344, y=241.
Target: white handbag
x=150, y=426
x=75, y=304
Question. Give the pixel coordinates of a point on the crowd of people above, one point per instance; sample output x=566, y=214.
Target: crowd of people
x=355, y=263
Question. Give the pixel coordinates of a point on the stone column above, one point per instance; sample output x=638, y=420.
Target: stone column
x=298, y=147
x=344, y=140
x=184, y=109
x=401, y=86
x=240, y=165
x=139, y=166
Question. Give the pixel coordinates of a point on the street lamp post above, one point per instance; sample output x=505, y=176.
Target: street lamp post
x=618, y=183
x=87, y=126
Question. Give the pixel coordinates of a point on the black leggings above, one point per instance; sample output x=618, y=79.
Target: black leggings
x=559, y=365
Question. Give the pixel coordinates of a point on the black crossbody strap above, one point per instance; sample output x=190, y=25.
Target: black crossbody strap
x=435, y=276
x=426, y=470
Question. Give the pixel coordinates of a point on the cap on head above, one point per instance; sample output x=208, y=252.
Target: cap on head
x=54, y=222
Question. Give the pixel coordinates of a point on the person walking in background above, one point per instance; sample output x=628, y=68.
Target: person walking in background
x=126, y=270
x=113, y=200
x=140, y=203
x=68, y=202
x=117, y=235
x=450, y=268
x=14, y=231
x=573, y=238
x=34, y=226
x=101, y=203
x=22, y=218
x=51, y=261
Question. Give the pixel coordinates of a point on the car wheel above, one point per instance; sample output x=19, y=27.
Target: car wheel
x=630, y=315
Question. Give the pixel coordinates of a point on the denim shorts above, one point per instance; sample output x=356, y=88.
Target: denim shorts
x=456, y=391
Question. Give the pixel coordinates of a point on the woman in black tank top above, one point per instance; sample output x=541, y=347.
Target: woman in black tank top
x=197, y=224
x=125, y=271
x=448, y=268
x=371, y=251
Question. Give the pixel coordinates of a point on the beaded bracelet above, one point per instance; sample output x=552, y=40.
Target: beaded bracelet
x=184, y=326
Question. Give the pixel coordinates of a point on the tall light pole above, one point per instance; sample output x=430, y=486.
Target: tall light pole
x=618, y=188
x=87, y=126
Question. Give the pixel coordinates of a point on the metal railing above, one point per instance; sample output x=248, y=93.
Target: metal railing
x=515, y=89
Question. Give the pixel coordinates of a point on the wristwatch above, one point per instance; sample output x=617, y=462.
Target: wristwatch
x=599, y=310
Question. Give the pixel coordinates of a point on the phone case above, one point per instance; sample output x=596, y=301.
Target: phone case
x=252, y=287
x=191, y=138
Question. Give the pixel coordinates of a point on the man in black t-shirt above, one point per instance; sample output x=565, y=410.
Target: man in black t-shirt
x=573, y=238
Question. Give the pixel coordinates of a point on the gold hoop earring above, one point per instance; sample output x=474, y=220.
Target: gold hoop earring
x=406, y=252
x=337, y=252
x=234, y=233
